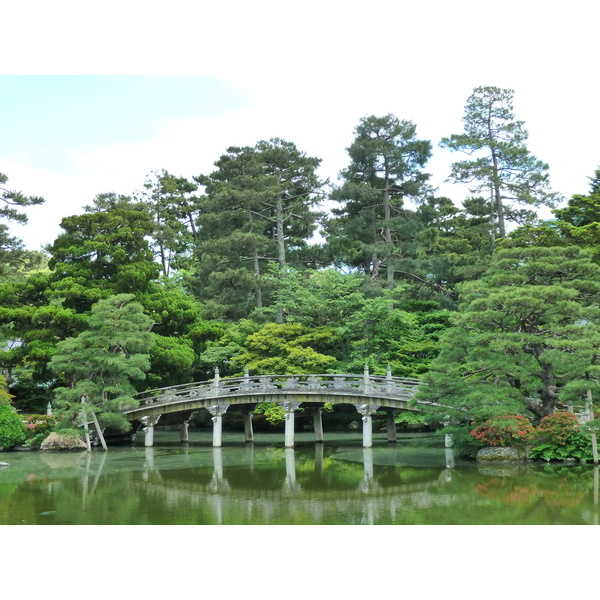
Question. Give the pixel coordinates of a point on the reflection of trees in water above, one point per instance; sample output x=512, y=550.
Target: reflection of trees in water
x=562, y=487
x=307, y=486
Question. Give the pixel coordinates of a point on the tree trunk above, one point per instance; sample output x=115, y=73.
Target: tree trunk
x=280, y=239
x=256, y=266
x=387, y=215
x=496, y=182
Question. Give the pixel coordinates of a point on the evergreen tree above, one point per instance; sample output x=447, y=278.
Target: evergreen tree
x=257, y=210
x=13, y=255
x=101, y=363
x=501, y=166
x=386, y=162
x=174, y=209
x=578, y=224
x=102, y=252
x=526, y=339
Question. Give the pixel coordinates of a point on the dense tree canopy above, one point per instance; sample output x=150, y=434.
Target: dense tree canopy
x=386, y=162
x=526, y=338
x=257, y=210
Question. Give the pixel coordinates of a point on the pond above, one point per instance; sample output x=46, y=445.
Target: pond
x=415, y=481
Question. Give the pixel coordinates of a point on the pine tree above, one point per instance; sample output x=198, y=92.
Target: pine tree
x=526, y=339
x=501, y=167
x=386, y=162
x=102, y=362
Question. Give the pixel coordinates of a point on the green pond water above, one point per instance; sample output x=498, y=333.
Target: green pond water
x=413, y=482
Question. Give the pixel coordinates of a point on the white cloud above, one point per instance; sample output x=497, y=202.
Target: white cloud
x=312, y=70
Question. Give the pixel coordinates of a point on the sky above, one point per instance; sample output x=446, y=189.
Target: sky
x=94, y=96
x=93, y=100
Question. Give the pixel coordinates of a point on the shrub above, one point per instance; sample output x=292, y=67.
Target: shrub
x=558, y=428
x=559, y=437
x=12, y=430
x=37, y=429
x=273, y=412
x=505, y=430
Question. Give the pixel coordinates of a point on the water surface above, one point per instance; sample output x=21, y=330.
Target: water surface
x=413, y=482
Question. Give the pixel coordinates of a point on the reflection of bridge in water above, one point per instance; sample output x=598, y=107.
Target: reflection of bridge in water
x=375, y=497
x=272, y=485
x=366, y=392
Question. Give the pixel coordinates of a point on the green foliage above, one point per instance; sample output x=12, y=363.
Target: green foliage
x=5, y=397
x=526, y=337
x=499, y=160
x=386, y=162
x=173, y=207
x=172, y=362
x=12, y=429
x=102, y=363
x=365, y=322
x=13, y=256
x=505, y=430
x=409, y=418
x=274, y=413
x=578, y=446
x=37, y=429
x=257, y=209
x=560, y=437
x=102, y=252
x=286, y=348
x=222, y=344
x=578, y=224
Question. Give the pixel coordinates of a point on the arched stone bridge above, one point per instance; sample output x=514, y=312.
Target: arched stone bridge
x=366, y=392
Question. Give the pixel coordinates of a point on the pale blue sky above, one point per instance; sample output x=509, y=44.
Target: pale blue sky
x=43, y=117
x=172, y=89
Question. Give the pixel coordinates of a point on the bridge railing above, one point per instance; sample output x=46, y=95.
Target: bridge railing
x=365, y=384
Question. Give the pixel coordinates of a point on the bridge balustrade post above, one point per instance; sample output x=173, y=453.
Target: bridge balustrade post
x=366, y=380
x=447, y=436
x=216, y=382
x=389, y=383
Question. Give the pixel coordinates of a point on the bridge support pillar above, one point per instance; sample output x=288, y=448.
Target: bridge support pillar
x=248, y=431
x=367, y=410
x=149, y=436
x=184, y=432
x=149, y=423
x=289, y=407
x=391, y=426
x=217, y=411
x=318, y=426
